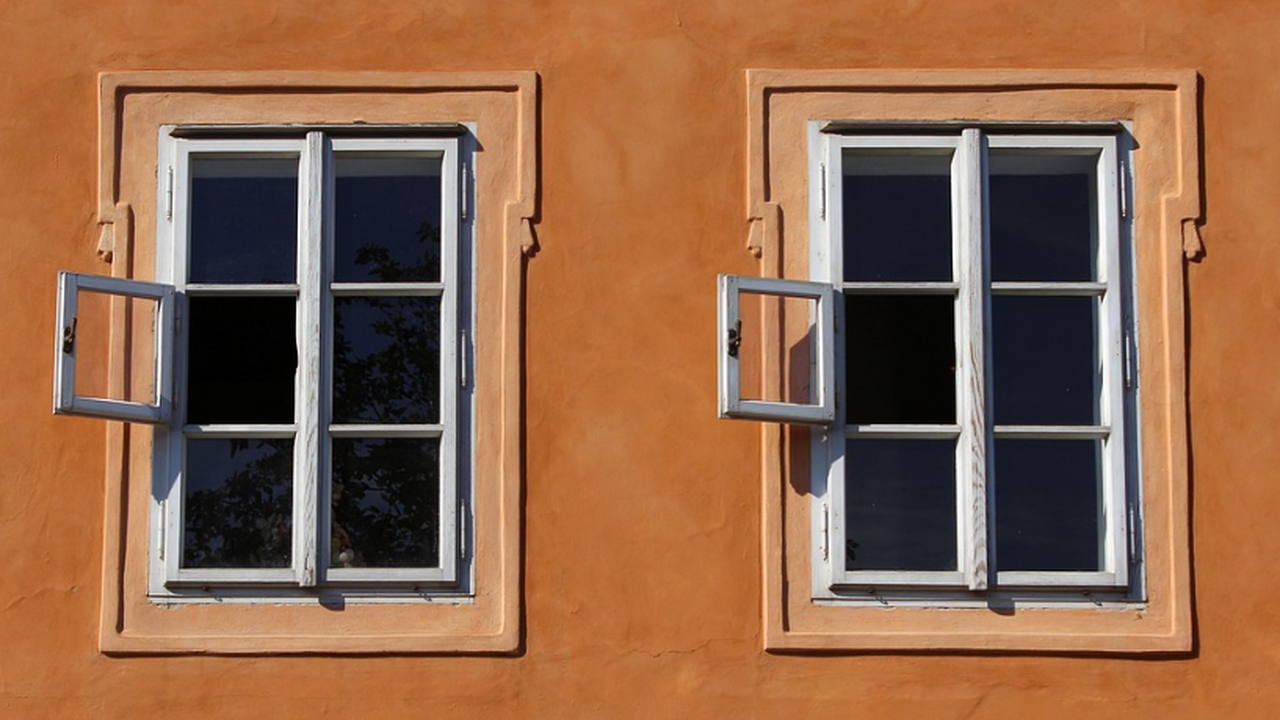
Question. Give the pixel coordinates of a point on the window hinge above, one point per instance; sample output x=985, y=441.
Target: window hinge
x=168, y=194
x=1124, y=190
x=160, y=531
x=1128, y=360
x=822, y=208
x=463, y=191
x=1133, y=537
x=462, y=351
x=462, y=530
x=826, y=532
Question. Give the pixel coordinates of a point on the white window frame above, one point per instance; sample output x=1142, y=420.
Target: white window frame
x=820, y=409
x=315, y=292
x=973, y=578
x=65, y=399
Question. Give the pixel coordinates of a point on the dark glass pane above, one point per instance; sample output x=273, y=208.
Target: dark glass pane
x=1043, y=217
x=1047, y=506
x=244, y=220
x=386, y=503
x=901, y=358
x=387, y=218
x=386, y=360
x=242, y=359
x=1045, y=360
x=897, y=217
x=900, y=504
x=237, y=504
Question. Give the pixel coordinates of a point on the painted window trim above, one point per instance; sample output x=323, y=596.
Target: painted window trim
x=501, y=108
x=1161, y=108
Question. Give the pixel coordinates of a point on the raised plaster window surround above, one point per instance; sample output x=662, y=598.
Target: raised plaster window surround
x=984, y=483
x=316, y=235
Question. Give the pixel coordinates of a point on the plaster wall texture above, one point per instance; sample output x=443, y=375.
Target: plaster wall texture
x=642, y=582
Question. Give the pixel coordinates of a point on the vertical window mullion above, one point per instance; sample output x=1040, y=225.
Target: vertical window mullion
x=970, y=227
x=306, y=477
x=449, y=389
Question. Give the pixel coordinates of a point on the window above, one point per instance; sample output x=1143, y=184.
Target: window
x=980, y=338
x=314, y=336
x=1000, y=472
x=316, y=436
x=981, y=443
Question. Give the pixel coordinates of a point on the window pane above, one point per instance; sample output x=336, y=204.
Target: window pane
x=386, y=503
x=237, y=506
x=897, y=217
x=242, y=360
x=1043, y=217
x=244, y=219
x=900, y=505
x=901, y=358
x=1045, y=360
x=386, y=360
x=387, y=218
x=1047, y=504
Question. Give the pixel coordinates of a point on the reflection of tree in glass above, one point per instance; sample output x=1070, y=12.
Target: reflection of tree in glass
x=245, y=520
x=386, y=369
x=386, y=503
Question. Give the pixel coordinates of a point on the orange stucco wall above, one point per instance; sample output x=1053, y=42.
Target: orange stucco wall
x=641, y=520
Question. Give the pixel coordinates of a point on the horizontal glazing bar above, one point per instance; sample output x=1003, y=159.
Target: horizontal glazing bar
x=240, y=431
x=903, y=431
x=1083, y=432
x=247, y=289
x=901, y=288
x=1048, y=288
x=415, y=430
x=396, y=289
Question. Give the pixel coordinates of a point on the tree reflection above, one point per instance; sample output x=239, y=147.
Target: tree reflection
x=238, y=504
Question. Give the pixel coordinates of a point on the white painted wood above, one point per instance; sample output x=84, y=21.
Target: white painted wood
x=905, y=431
x=65, y=399
x=417, y=289
x=1049, y=289
x=230, y=430
x=971, y=249
x=1049, y=432
x=901, y=288
x=821, y=408
x=407, y=430
x=307, y=447
x=243, y=290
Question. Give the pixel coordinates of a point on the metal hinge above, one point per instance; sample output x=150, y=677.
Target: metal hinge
x=462, y=529
x=1133, y=536
x=462, y=352
x=168, y=194
x=1124, y=190
x=822, y=208
x=826, y=532
x=463, y=191
x=1128, y=360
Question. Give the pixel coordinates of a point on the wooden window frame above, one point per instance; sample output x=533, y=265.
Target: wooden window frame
x=315, y=292
x=973, y=433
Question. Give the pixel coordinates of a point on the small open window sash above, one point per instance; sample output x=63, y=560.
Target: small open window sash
x=65, y=399
x=820, y=410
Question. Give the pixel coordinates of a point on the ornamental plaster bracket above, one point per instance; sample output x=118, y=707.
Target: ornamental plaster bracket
x=1181, y=206
x=115, y=217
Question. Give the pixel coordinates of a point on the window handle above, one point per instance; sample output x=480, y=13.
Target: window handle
x=69, y=337
x=735, y=339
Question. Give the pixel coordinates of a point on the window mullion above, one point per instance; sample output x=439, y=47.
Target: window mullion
x=306, y=475
x=971, y=241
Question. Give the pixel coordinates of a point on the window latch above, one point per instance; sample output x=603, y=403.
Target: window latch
x=69, y=337
x=735, y=339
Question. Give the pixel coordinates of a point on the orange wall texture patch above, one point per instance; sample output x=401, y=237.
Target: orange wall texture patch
x=637, y=554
